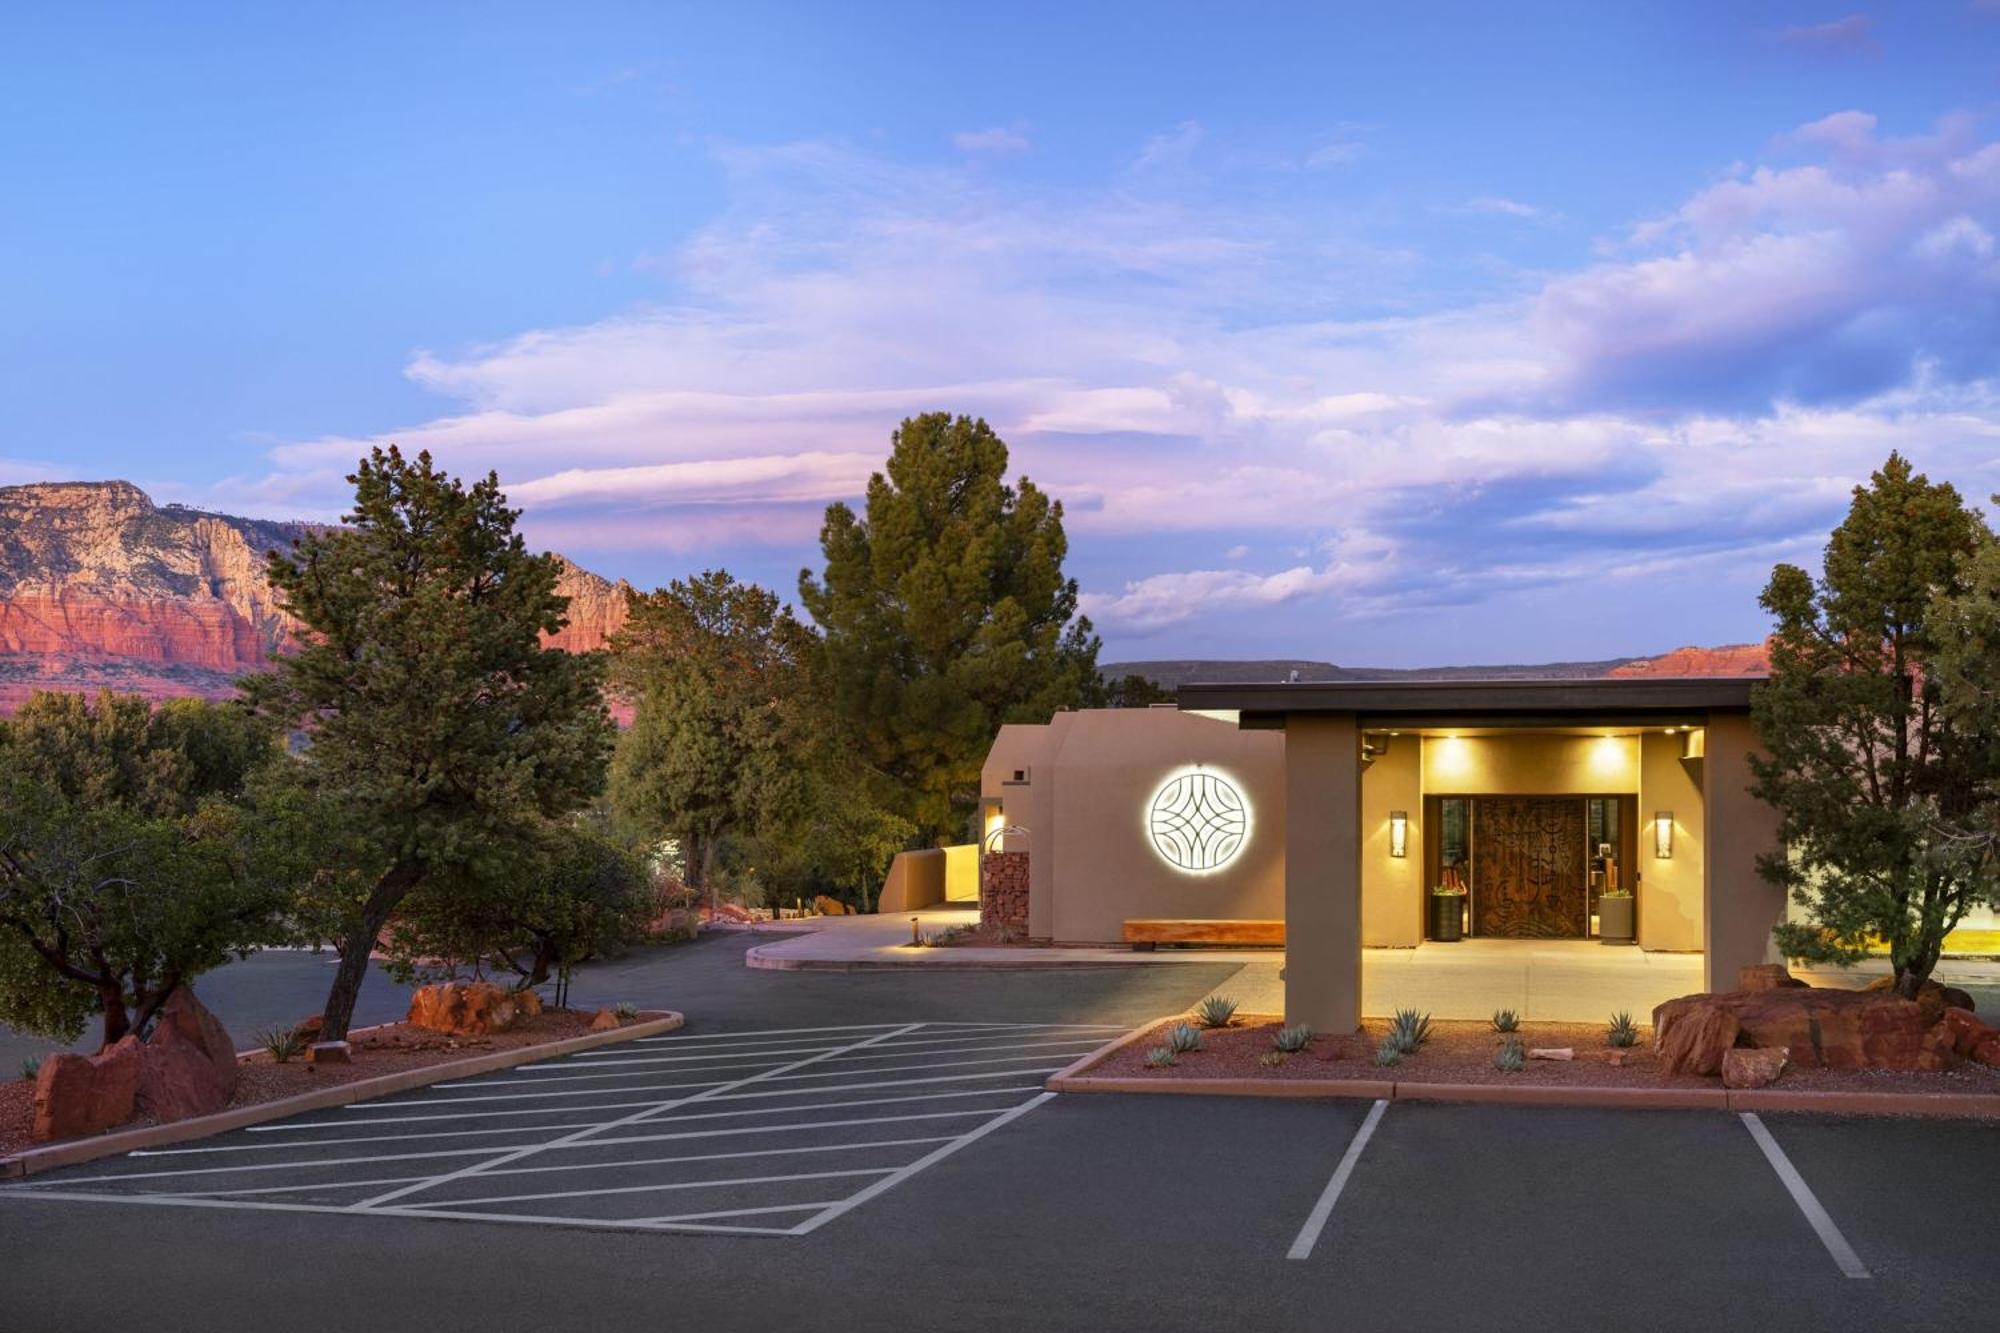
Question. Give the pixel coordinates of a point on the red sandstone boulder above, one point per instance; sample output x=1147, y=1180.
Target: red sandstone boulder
x=463, y=1009
x=1746, y=1067
x=1987, y=1052
x=1693, y=1033
x=603, y=1021
x=77, y=1094
x=1963, y=1031
x=1932, y=997
x=826, y=906
x=330, y=1053
x=527, y=1004
x=179, y=1079
x=193, y=1019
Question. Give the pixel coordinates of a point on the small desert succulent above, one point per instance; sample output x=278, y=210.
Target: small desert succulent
x=31, y=1068
x=1506, y=1020
x=1623, y=1032
x=1512, y=1057
x=1272, y=1059
x=1292, y=1039
x=1183, y=1037
x=626, y=1011
x=1215, y=1012
x=282, y=1043
x=1160, y=1057
x=1410, y=1030
x=1390, y=1052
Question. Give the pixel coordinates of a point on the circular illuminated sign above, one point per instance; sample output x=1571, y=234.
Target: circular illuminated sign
x=1198, y=821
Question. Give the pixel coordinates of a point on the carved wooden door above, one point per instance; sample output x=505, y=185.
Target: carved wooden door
x=1528, y=868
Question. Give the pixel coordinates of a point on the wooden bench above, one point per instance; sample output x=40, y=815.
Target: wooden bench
x=1150, y=932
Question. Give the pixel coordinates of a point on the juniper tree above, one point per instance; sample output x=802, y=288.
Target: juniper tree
x=442, y=734
x=945, y=613
x=1873, y=775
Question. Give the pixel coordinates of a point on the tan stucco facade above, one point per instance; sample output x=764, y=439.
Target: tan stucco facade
x=1323, y=786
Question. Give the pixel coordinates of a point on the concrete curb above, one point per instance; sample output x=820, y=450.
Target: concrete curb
x=1072, y=1078
x=78, y=1151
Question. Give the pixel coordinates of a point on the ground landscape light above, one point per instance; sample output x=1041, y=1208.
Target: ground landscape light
x=1399, y=833
x=1197, y=821
x=1663, y=835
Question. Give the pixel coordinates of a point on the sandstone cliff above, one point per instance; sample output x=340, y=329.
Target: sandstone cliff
x=1735, y=659
x=101, y=587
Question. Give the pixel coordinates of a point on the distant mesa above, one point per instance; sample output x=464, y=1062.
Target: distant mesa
x=1740, y=659
x=102, y=588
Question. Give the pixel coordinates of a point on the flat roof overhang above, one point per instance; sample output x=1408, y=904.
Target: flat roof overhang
x=1599, y=701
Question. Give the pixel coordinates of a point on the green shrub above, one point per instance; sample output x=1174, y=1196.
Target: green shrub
x=1184, y=1037
x=626, y=1011
x=1292, y=1039
x=1512, y=1057
x=1160, y=1057
x=31, y=1068
x=1215, y=1012
x=1390, y=1052
x=1624, y=1032
x=1410, y=1030
x=1506, y=1020
x=282, y=1043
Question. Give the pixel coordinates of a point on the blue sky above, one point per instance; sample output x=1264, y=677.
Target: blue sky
x=1385, y=334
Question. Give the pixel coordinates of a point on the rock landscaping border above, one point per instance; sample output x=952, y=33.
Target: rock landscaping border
x=1075, y=1077
x=76, y=1151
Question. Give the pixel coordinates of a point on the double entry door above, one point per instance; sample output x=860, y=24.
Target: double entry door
x=1531, y=862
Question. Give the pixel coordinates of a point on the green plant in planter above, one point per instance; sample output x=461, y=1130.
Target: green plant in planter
x=1215, y=1012
x=1624, y=1032
x=1389, y=1053
x=1512, y=1057
x=282, y=1043
x=1183, y=1037
x=1410, y=1030
x=1160, y=1057
x=626, y=1011
x=1293, y=1039
x=1506, y=1020
x=31, y=1068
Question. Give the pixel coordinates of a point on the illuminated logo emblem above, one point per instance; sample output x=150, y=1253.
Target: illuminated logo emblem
x=1198, y=822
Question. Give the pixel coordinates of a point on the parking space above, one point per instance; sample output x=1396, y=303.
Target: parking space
x=771, y=1132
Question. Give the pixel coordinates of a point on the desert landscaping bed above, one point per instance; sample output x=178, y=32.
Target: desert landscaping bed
x=1461, y=1053
x=374, y=1053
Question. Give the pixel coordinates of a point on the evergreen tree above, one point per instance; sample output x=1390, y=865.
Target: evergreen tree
x=443, y=735
x=1872, y=774
x=945, y=613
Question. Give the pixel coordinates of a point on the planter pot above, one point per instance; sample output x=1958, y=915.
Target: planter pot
x=1447, y=921
x=1617, y=921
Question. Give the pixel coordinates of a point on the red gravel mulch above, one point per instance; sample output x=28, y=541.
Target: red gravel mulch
x=389, y=1049
x=1462, y=1052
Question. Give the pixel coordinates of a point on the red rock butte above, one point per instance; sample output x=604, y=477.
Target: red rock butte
x=101, y=588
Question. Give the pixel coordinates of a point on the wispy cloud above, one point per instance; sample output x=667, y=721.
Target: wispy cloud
x=1850, y=35
x=1000, y=141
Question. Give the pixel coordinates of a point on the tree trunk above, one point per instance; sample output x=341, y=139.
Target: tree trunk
x=708, y=872
x=359, y=943
x=111, y=1006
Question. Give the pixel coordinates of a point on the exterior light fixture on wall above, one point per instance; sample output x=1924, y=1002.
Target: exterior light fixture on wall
x=1663, y=835
x=1399, y=833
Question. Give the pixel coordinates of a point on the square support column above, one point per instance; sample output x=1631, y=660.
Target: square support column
x=1323, y=871
x=1741, y=906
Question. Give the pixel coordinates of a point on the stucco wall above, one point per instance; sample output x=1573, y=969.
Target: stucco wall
x=1391, y=886
x=1670, y=891
x=1530, y=765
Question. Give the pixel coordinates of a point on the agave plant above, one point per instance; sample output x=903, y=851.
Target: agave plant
x=1390, y=1052
x=1160, y=1057
x=1215, y=1012
x=1624, y=1032
x=1410, y=1030
x=1183, y=1037
x=1272, y=1059
x=1293, y=1039
x=282, y=1043
x=1506, y=1020
x=626, y=1011
x=1512, y=1057
x=31, y=1068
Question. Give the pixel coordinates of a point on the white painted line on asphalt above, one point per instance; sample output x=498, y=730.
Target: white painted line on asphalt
x=848, y=1071
x=653, y=1189
x=709, y=1059
x=576, y=1136
x=889, y=1182
x=1829, y=1235
x=858, y=1087
x=791, y=1129
x=570, y=1092
x=763, y=1032
x=737, y=1212
x=1302, y=1246
x=280, y=1145
x=905, y=1053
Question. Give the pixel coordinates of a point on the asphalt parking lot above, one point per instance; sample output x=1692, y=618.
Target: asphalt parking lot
x=870, y=1151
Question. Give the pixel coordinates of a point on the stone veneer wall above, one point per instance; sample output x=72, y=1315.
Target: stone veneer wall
x=1003, y=889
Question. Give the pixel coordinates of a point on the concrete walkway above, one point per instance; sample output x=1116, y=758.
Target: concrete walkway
x=1576, y=981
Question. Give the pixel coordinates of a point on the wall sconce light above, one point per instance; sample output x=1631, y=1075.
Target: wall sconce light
x=1663, y=835
x=1399, y=833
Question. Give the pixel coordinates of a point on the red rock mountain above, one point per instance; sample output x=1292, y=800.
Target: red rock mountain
x=1735, y=659
x=100, y=587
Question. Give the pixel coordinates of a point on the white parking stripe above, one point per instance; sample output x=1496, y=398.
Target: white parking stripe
x=577, y=1135
x=889, y=1182
x=653, y=1189
x=1302, y=1246
x=1829, y=1235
